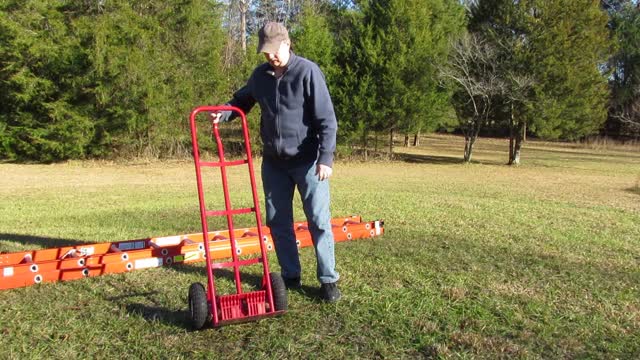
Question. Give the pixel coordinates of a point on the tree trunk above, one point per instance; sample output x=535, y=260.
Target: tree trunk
x=390, y=143
x=511, y=149
x=467, y=147
x=416, y=139
x=516, y=151
x=406, y=140
x=521, y=135
x=243, y=5
x=365, y=142
x=511, y=138
x=469, y=140
x=517, y=137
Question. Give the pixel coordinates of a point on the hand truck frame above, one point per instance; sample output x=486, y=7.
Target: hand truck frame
x=205, y=306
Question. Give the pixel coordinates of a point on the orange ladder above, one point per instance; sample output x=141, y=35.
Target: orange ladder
x=26, y=268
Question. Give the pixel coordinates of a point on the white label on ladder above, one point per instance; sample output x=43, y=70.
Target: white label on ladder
x=167, y=241
x=132, y=245
x=8, y=271
x=148, y=263
x=377, y=225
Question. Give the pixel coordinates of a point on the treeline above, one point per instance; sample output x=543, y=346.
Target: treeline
x=110, y=78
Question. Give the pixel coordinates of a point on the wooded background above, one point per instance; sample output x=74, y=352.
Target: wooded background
x=113, y=78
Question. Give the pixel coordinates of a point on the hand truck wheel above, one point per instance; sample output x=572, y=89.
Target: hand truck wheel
x=198, y=306
x=279, y=291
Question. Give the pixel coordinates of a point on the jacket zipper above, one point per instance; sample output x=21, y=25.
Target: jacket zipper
x=279, y=144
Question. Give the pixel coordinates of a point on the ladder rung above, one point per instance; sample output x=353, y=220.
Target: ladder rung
x=187, y=241
x=27, y=259
x=223, y=163
x=239, y=263
x=230, y=212
x=73, y=253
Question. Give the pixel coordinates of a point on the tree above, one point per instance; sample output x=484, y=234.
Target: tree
x=502, y=23
x=313, y=39
x=550, y=57
x=473, y=73
x=42, y=62
x=569, y=45
x=95, y=78
x=397, y=47
x=153, y=62
x=624, y=107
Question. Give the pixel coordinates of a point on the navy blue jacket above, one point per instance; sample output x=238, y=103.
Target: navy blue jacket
x=298, y=124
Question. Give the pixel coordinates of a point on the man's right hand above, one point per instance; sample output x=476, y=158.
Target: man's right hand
x=215, y=116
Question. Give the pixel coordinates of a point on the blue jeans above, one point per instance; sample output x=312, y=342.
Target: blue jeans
x=279, y=184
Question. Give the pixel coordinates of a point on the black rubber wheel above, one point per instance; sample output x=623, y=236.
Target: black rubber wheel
x=279, y=292
x=198, y=306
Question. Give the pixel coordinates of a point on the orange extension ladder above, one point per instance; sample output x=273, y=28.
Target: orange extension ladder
x=26, y=268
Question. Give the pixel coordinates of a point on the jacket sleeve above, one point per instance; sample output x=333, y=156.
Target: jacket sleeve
x=241, y=99
x=324, y=117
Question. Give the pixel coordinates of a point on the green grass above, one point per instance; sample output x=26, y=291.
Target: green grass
x=479, y=260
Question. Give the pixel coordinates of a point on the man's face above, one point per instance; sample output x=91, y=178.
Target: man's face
x=280, y=58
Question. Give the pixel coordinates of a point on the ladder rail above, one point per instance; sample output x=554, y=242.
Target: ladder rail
x=129, y=255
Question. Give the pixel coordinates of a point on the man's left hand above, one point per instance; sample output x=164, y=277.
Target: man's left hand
x=324, y=172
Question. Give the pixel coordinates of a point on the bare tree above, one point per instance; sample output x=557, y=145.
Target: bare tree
x=517, y=95
x=629, y=114
x=243, y=7
x=473, y=72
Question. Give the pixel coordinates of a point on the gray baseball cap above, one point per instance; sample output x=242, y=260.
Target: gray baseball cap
x=270, y=36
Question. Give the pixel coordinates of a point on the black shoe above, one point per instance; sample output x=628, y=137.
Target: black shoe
x=329, y=292
x=292, y=283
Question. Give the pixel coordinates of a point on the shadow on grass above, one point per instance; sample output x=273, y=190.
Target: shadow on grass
x=150, y=312
x=583, y=155
x=428, y=159
x=159, y=313
x=180, y=318
x=441, y=160
x=43, y=241
x=634, y=190
x=252, y=280
x=246, y=278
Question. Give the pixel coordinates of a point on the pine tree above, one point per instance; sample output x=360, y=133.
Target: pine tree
x=153, y=63
x=42, y=65
x=569, y=45
x=398, y=47
x=313, y=39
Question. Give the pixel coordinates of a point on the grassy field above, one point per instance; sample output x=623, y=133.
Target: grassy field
x=479, y=260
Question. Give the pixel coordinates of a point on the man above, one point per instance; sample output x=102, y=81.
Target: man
x=298, y=129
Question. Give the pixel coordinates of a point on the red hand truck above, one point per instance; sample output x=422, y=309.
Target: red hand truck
x=207, y=306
